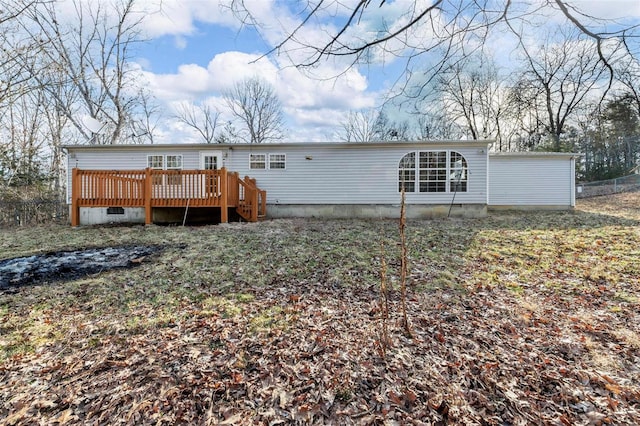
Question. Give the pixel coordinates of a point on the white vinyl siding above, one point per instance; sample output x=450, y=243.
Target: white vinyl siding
x=531, y=180
x=354, y=174
x=315, y=173
x=117, y=158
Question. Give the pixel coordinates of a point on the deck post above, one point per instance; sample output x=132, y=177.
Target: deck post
x=263, y=202
x=148, y=189
x=224, y=195
x=75, y=209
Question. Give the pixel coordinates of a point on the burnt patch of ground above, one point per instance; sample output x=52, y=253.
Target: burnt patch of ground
x=68, y=265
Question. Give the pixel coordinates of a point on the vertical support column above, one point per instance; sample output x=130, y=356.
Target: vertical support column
x=263, y=202
x=224, y=196
x=148, y=189
x=75, y=194
x=254, y=203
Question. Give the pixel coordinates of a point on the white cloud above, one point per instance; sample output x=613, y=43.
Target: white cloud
x=609, y=9
x=178, y=17
x=315, y=105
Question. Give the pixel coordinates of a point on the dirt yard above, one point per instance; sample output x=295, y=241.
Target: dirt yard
x=519, y=318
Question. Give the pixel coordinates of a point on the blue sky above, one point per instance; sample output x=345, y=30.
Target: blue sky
x=196, y=49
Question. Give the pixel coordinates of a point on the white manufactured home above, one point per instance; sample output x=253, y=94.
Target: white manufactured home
x=144, y=183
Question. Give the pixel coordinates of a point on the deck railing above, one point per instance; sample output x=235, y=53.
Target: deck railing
x=252, y=201
x=166, y=188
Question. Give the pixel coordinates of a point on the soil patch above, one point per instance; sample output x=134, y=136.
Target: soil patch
x=68, y=265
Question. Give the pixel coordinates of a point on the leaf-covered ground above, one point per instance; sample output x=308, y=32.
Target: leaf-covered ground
x=519, y=318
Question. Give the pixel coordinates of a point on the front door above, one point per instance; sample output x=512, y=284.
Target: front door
x=211, y=160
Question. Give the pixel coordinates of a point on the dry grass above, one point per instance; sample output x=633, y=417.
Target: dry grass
x=502, y=308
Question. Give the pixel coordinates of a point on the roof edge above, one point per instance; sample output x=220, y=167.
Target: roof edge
x=548, y=154
x=482, y=143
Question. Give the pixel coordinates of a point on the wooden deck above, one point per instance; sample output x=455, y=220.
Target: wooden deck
x=151, y=188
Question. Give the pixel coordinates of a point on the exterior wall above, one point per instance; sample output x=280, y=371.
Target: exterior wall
x=129, y=158
x=351, y=174
x=530, y=180
x=348, y=179
x=315, y=173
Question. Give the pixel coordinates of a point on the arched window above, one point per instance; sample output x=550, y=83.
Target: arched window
x=458, y=172
x=434, y=171
x=407, y=173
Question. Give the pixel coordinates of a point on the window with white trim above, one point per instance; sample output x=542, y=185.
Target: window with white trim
x=267, y=161
x=155, y=162
x=174, y=162
x=258, y=161
x=277, y=161
x=165, y=162
x=457, y=172
x=434, y=171
x=407, y=173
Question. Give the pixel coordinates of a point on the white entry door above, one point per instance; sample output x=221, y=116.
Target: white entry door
x=210, y=160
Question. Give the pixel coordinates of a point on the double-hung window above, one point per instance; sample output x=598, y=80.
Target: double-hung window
x=165, y=162
x=156, y=162
x=277, y=161
x=174, y=162
x=267, y=161
x=258, y=161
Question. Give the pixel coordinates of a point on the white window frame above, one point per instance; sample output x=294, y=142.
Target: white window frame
x=423, y=176
x=253, y=161
x=151, y=165
x=407, y=175
x=173, y=157
x=172, y=179
x=458, y=177
x=165, y=166
x=435, y=173
x=272, y=161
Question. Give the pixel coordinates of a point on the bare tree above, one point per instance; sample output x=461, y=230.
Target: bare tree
x=372, y=125
x=445, y=29
x=201, y=118
x=628, y=73
x=472, y=91
x=144, y=127
x=386, y=129
x=560, y=76
x=13, y=73
x=437, y=125
x=254, y=103
x=92, y=56
x=359, y=126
